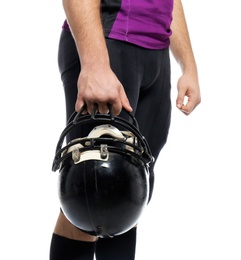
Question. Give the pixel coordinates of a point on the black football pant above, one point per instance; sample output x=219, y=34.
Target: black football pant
x=145, y=75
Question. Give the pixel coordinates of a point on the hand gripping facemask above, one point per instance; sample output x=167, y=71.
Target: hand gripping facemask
x=104, y=177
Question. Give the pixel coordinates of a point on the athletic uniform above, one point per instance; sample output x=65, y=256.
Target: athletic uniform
x=144, y=23
x=137, y=36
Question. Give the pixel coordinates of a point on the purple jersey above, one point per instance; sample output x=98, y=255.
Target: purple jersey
x=142, y=22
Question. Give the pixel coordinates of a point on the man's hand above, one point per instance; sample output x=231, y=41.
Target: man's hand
x=99, y=85
x=181, y=48
x=188, y=87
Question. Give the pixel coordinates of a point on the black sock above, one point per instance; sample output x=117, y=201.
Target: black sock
x=121, y=247
x=62, y=248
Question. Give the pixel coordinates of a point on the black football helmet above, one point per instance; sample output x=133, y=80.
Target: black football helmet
x=104, y=177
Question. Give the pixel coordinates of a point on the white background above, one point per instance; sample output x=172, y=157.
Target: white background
x=195, y=212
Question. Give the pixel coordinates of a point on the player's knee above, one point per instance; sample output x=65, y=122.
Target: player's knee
x=66, y=229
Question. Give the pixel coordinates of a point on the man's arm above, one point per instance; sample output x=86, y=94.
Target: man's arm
x=97, y=83
x=182, y=51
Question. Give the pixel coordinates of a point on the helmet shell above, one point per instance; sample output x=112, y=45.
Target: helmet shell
x=104, y=198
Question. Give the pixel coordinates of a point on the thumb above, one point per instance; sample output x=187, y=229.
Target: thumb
x=180, y=98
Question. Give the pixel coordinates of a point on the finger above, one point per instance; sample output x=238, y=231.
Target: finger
x=79, y=104
x=186, y=109
x=189, y=107
x=90, y=106
x=116, y=107
x=103, y=108
x=125, y=101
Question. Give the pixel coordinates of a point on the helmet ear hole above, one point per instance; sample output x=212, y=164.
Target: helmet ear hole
x=103, y=183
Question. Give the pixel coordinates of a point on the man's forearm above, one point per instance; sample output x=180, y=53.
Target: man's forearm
x=85, y=23
x=180, y=40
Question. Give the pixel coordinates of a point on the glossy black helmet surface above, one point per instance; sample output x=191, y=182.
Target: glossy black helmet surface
x=103, y=177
